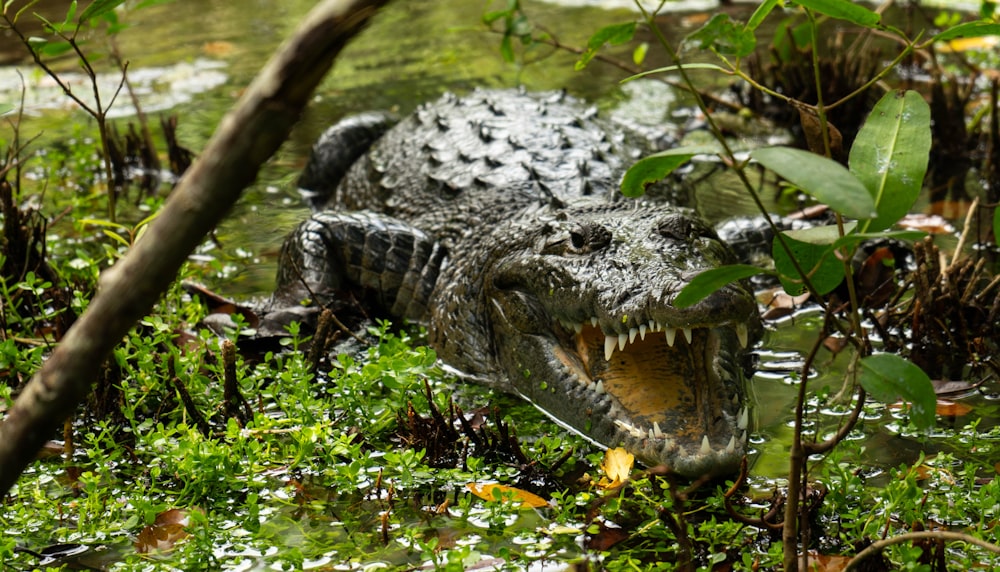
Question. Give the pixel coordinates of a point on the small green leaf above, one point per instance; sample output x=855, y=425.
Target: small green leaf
x=822, y=178
x=824, y=270
x=890, y=378
x=969, y=30
x=760, y=14
x=615, y=34
x=843, y=10
x=704, y=284
x=98, y=7
x=6, y=108
x=654, y=168
x=507, y=49
x=639, y=53
x=890, y=155
x=724, y=36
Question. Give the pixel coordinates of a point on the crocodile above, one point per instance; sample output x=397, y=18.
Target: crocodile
x=495, y=220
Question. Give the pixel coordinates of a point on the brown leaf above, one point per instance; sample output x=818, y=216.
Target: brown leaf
x=952, y=408
x=487, y=492
x=813, y=131
x=167, y=530
x=779, y=303
x=827, y=562
x=606, y=537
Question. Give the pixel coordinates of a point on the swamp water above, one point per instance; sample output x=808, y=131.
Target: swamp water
x=193, y=59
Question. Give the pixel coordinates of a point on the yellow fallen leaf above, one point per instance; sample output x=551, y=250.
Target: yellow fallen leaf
x=966, y=44
x=616, y=467
x=493, y=491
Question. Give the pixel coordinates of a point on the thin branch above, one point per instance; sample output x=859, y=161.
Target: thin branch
x=881, y=545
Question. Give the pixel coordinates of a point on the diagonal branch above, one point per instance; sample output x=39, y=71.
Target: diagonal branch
x=246, y=138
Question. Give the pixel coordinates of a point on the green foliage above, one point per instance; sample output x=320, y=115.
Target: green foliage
x=890, y=155
x=725, y=37
x=656, y=167
x=613, y=35
x=711, y=280
x=888, y=378
x=821, y=178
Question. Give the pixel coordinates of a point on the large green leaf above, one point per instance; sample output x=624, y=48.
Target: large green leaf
x=816, y=259
x=822, y=178
x=969, y=30
x=649, y=170
x=843, y=10
x=890, y=378
x=704, y=284
x=890, y=155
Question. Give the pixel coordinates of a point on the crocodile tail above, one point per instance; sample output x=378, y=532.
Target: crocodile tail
x=372, y=255
x=337, y=149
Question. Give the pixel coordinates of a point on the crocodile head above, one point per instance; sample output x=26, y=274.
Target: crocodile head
x=581, y=321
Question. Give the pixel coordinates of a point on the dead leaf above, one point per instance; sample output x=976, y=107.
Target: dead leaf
x=827, y=562
x=952, y=408
x=617, y=466
x=494, y=491
x=779, y=303
x=948, y=388
x=966, y=44
x=166, y=531
x=217, y=48
x=606, y=537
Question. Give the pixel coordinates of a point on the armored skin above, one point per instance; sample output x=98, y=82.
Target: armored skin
x=495, y=220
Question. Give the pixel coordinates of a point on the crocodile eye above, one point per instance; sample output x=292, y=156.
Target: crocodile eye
x=684, y=228
x=580, y=239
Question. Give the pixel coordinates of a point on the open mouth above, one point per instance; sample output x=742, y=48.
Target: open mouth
x=675, y=392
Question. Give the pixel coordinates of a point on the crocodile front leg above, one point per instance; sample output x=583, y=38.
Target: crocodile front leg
x=373, y=254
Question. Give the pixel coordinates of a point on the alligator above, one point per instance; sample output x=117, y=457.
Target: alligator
x=495, y=220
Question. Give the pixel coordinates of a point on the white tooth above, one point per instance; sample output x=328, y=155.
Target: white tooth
x=599, y=387
x=731, y=447
x=687, y=334
x=632, y=333
x=642, y=331
x=652, y=326
x=610, y=342
x=736, y=399
x=659, y=326
x=656, y=430
x=651, y=436
x=706, y=447
x=743, y=437
x=671, y=335
x=622, y=341
x=578, y=327
x=744, y=418
x=741, y=334
x=593, y=321
x=637, y=433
